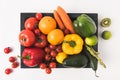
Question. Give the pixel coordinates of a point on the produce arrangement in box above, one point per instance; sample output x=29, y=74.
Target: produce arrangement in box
x=59, y=40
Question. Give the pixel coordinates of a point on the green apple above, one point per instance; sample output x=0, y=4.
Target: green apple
x=91, y=40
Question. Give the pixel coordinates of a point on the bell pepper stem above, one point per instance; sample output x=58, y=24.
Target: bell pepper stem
x=23, y=39
x=71, y=43
x=26, y=57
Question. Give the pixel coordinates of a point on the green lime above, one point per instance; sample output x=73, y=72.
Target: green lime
x=92, y=40
x=106, y=35
x=106, y=22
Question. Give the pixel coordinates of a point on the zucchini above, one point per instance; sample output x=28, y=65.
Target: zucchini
x=76, y=61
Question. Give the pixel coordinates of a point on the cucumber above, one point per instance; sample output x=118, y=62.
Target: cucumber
x=76, y=61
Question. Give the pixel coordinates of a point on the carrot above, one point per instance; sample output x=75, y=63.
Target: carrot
x=58, y=19
x=66, y=19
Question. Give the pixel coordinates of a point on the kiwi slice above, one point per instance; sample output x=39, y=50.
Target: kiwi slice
x=106, y=22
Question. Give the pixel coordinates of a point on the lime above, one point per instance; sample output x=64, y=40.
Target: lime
x=91, y=40
x=106, y=35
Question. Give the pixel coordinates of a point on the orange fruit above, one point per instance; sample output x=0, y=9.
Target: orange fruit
x=47, y=24
x=55, y=37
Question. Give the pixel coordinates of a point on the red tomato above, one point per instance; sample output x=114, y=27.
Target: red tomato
x=41, y=41
x=66, y=31
x=15, y=64
x=52, y=65
x=59, y=48
x=47, y=57
x=43, y=65
x=48, y=70
x=53, y=59
x=7, y=50
x=8, y=70
x=27, y=38
x=37, y=32
x=12, y=59
x=47, y=50
x=53, y=53
x=52, y=46
x=38, y=16
x=31, y=23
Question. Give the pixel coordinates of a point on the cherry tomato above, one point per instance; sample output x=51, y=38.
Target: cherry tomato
x=27, y=38
x=53, y=53
x=66, y=31
x=37, y=32
x=43, y=65
x=52, y=46
x=7, y=50
x=15, y=64
x=52, y=65
x=48, y=70
x=47, y=50
x=59, y=48
x=53, y=59
x=8, y=70
x=47, y=57
x=41, y=41
x=30, y=23
x=38, y=16
x=12, y=59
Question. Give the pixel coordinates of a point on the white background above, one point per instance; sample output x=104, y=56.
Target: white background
x=109, y=50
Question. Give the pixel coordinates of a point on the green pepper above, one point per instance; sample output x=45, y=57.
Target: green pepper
x=84, y=25
x=92, y=61
x=95, y=54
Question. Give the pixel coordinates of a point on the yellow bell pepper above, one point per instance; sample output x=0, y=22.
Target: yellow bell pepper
x=72, y=44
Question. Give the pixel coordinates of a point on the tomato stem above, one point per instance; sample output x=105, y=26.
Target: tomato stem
x=39, y=39
x=23, y=39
